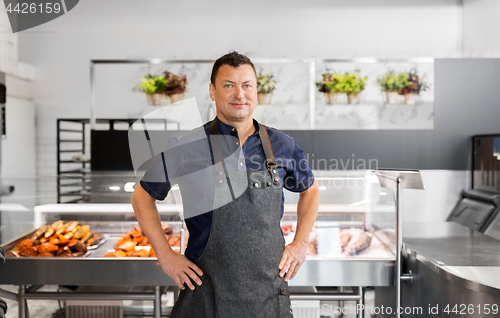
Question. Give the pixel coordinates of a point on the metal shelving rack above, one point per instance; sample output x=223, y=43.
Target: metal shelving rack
x=80, y=188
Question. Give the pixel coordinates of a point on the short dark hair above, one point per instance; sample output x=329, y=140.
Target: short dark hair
x=233, y=59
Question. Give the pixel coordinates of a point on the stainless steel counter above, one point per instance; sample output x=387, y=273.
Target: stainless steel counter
x=485, y=278
x=451, y=244
x=451, y=267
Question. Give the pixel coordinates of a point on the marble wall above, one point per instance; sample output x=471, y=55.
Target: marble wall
x=296, y=103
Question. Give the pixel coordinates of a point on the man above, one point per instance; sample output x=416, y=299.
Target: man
x=236, y=263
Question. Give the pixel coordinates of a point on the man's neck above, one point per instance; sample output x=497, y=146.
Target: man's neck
x=244, y=128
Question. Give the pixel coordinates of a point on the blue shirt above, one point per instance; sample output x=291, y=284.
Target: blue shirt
x=187, y=155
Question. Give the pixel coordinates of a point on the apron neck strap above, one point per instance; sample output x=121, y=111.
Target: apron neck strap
x=216, y=147
x=268, y=148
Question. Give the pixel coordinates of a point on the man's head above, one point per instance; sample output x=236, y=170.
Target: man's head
x=233, y=87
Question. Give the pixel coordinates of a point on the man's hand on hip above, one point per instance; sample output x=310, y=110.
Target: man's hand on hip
x=180, y=269
x=293, y=257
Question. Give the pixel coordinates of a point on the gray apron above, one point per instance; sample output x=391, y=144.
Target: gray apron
x=241, y=258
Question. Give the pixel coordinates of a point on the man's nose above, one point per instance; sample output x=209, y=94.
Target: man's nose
x=240, y=93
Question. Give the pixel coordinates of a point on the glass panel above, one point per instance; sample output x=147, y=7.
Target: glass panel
x=356, y=217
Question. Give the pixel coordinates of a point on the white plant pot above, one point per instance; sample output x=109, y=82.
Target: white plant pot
x=332, y=98
x=176, y=97
x=410, y=99
x=264, y=99
x=392, y=97
x=353, y=99
x=155, y=99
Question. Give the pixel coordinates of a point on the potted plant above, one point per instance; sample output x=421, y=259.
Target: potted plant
x=175, y=86
x=352, y=84
x=392, y=84
x=153, y=87
x=412, y=86
x=265, y=87
x=328, y=87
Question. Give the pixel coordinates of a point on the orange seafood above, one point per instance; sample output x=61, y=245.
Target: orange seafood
x=140, y=253
x=28, y=251
x=128, y=244
x=117, y=253
x=46, y=254
x=23, y=243
x=136, y=232
x=51, y=239
x=47, y=248
x=77, y=246
x=174, y=241
x=63, y=250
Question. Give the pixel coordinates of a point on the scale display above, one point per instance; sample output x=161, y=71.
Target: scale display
x=486, y=163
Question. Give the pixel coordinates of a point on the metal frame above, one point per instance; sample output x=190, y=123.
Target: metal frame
x=358, y=297
x=312, y=72
x=24, y=295
x=399, y=179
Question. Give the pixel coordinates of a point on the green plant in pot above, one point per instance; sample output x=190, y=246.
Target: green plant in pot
x=175, y=86
x=265, y=87
x=413, y=84
x=392, y=84
x=328, y=86
x=352, y=84
x=153, y=86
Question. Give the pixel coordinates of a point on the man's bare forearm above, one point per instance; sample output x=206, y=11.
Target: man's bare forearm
x=149, y=219
x=307, y=211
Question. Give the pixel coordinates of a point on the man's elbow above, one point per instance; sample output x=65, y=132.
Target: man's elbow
x=314, y=189
x=140, y=195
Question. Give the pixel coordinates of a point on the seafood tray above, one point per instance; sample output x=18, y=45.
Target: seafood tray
x=90, y=269
x=61, y=239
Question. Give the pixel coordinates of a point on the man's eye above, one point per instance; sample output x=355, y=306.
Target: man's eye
x=227, y=85
x=247, y=85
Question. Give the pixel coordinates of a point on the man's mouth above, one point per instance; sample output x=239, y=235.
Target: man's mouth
x=238, y=104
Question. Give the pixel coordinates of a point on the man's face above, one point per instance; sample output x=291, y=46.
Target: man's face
x=235, y=93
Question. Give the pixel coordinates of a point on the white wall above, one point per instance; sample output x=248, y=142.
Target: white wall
x=481, y=33
x=18, y=155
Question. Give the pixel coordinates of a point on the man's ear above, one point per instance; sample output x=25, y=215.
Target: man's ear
x=211, y=91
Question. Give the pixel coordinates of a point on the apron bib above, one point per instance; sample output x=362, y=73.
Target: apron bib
x=240, y=262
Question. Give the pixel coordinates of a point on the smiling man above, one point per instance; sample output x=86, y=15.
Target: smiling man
x=236, y=263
